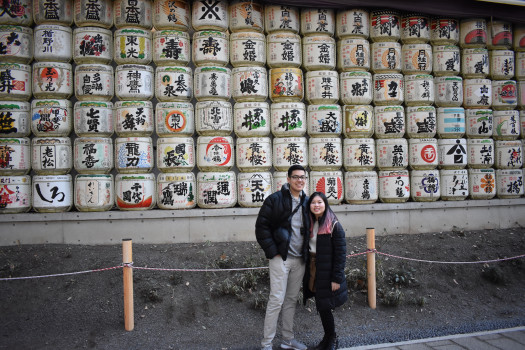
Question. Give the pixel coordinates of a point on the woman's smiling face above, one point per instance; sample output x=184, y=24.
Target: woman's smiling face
x=317, y=206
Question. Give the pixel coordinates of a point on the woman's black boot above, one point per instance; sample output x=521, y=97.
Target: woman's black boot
x=333, y=343
x=322, y=345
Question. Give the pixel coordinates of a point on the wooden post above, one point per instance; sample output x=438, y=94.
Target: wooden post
x=371, y=266
x=127, y=258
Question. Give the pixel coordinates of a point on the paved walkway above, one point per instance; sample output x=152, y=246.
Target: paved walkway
x=502, y=339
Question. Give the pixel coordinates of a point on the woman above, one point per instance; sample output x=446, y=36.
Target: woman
x=324, y=277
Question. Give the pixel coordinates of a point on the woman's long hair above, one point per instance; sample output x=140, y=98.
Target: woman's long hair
x=328, y=218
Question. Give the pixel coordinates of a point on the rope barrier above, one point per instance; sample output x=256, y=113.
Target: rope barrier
x=452, y=262
x=61, y=274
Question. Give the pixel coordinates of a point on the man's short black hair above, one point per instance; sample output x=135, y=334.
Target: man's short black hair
x=295, y=167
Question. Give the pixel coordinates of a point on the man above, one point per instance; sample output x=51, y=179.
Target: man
x=280, y=230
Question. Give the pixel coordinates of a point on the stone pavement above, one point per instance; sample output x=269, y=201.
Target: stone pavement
x=502, y=339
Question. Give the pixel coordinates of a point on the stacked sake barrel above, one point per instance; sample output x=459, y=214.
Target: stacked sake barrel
x=519, y=48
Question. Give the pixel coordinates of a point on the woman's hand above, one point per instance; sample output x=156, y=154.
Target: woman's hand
x=335, y=286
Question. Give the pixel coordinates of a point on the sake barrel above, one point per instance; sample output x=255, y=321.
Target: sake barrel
x=480, y=153
x=93, y=155
x=51, y=155
x=450, y=122
x=356, y=88
x=506, y=125
x=330, y=183
x=135, y=191
x=318, y=53
x=20, y=13
x=134, y=118
x=509, y=154
x=16, y=156
x=385, y=25
x=93, y=118
x=171, y=47
x=361, y=187
x=445, y=60
x=251, y=119
x=56, y=12
x=134, y=13
x=52, y=193
x=16, y=43
x=215, y=153
x=94, y=82
x=281, y=18
x=286, y=85
x=212, y=83
x=502, y=64
x=288, y=119
x=324, y=120
x=322, y=87
x=482, y=183
x=174, y=119
x=280, y=178
x=444, y=31
x=479, y=123
x=288, y=151
x=419, y=90
x=454, y=184
x=254, y=154
x=133, y=46
x=249, y=84
x=15, y=117
x=53, y=43
x=176, y=191
x=175, y=154
x=415, y=28
x=17, y=82
x=211, y=47
x=389, y=121
x=247, y=49
x=518, y=42
x=448, y=91
x=452, y=153
x=246, y=16
x=504, y=94
x=352, y=23
x=94, y=192
x=326, y=153
x=169, y=15
x=475, y=63
x=423, y=154
x=421, y=121
x=254, y=188
x=52, y=80
x=473, y=32
x=425, y=185
x=216, y=189
x=394, y=186
x=521, y=94
x=417, y=58
x=208, y=14
x=283, y=50
x=92, y=45
x=317, y=21
x=51, y=117
x=134, y=155
x=392, y=154
x=173, y=84
x=213, y=118
x=90, y=13
x=15, y=194
x=499, y=35
x=359, y=154
x=353, y=55
x=358, y=121
x=477, y=93
x=509, y=183
x=134, y=82
x=522, y=123
x=386, y=57
x=388, y=89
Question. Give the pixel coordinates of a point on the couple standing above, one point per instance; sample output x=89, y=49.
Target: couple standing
x=305, y=243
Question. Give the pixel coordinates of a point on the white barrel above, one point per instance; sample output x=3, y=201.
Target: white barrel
x=286, y=85
x=93, y=155
x=425, y=185
x=361, y=187
x=133, y=46
x=53, y=43
x=281, y=177
x=51, y=155
x=94, y=82
x=16, y=156
x=454, y=184
x=288, y=151
x=509, y=183
x=318, y=53
x=356, y=88
x=352, y=23
x=448, y=91
x=421, y=121
x=358, y=121
x=281, y=18
x=246, y=16
x=134, y=155
x=444, y=31
x=134, y=82
x=417, y=58
x=478, y=123
x=325, y=153
x=317, y=21
x=386, y=57
x=173, y=84
x=16, y=118
x=212, y=83
x=52, y=193
x=423, y=154
x=480, y=153
x=168, y=15
x=506, y=125
x=215, y=153
x=502, y=64
x=135, y=191
x=216, y=190
x=20, y=13
x=419, y=90
x=330, y=183
x=174, y=119
x=520, y=65
x=90, y=13
x=254, y=154
x=445, y=60
x=213, y=118
x=288, y=119
x=509, y=154
x=475, y=63
x=171, y=48
x=94, y=192
x=415, y=28
x=175, y=154
x=452, y=153
x=482, y=183
x=208, y=14
x=324, y=120
x=353, y=54
x=518, y=40
x=473, y=32
x=389, y=122
x=56, y=12
x=322, y=87
x=251, y=119
x=134, y=118
x=248, y=49
x=522, y=123
x=504, y=94
x=283, y=50
x=176, y=191
x=394, y=186
x=254, y=188
x=385, y=25
x=133, y=13
x=211, y=47
x=93, y=118
x=450, y=122
x=249, y=84
x=51, y=117
x=92, y=45
x=499, y=35
x=477, y=93
x=392, y=154
x=52, y=80
x=388, y=89
x=359, y=154
x=16, y=194
x=521, y=94
x=17, y=44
